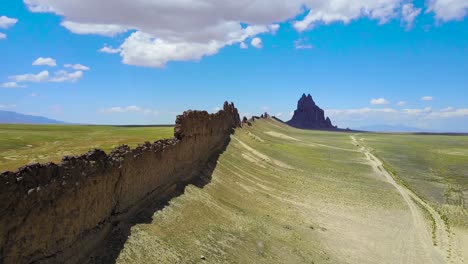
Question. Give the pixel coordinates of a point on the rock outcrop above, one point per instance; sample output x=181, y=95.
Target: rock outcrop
x=309, y=116
x=59, y=213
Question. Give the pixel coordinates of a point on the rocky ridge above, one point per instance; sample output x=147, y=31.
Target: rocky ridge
x=60, y=213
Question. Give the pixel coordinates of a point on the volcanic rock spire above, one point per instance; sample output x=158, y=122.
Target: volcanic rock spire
x=309, y=116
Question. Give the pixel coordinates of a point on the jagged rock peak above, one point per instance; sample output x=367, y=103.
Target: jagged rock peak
x=309, y=116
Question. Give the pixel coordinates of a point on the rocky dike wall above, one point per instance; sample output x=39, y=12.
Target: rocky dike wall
x=59, y=213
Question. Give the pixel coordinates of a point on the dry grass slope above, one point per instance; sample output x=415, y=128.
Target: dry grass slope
x=282, y=195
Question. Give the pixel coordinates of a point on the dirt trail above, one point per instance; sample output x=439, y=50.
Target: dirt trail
x=437, y=244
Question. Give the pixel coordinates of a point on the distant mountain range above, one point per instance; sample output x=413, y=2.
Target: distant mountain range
x=9, y=117
x=391, y=128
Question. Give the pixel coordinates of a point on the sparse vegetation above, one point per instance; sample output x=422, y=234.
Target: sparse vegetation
x=23, y=144
x=295, y=196
x=432, y=166
x=283, y=195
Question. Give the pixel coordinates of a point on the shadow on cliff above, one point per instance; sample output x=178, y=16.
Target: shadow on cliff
x=114, y=243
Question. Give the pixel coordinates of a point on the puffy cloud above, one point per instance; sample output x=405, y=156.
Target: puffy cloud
x=2, y=36
x=256, y=43
x=330, y=11
x=416, y=117
x=379, y=101
x=78, y=67
x=201, y=28
x=44, y=76
x=274, y=28
x=418, y=111
x=129, y=109
x=44, y=62
x=446, y=10
x=143, y=49
x=110, y=50
x=40, y=77
x=64, y=76
x=191, y=29
x=427, y=98
x=243, y=45
x=7, y=22
x=10, y=85
x=401, y=103
x=97, y=29
x=409, y=14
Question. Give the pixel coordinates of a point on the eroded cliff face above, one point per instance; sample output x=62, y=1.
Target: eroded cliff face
x=54, y=213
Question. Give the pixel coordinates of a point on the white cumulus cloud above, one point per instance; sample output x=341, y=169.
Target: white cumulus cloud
x=10, y=85
x=185, y=30
x=409, y=14
x=412, y=117
x=110, y=50
x=331, y=11
x=64, y=76
x=45, y=62
x=2, y=36
x=274, y=28
x=427, y=98
x=44, y=76
x=379, y=101
x=108, y=30
x=7, y=22
x=78, y=67
x=446, y=10
x=29, y=77
x=256, y=43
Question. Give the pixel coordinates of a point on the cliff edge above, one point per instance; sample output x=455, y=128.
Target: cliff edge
x=59, y=213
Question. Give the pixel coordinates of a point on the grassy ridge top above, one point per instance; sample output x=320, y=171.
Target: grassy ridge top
x=283, y=195
x=23, y=144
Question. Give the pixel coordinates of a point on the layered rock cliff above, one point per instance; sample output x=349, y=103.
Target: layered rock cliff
x=58, y=213
x=309, y=116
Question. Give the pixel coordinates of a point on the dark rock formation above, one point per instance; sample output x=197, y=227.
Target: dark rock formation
x=59, y=213
x=309, y=116
x=245, y=121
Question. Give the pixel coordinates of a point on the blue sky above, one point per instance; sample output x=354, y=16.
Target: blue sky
x=366, y=63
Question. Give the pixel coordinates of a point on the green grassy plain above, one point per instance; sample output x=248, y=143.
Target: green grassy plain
x=283, y=195
x=433, y=166
x=23, y=144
